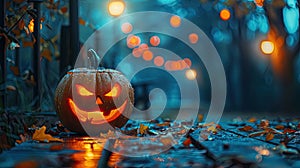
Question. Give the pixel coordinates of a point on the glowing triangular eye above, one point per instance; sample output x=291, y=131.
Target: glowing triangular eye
x=115, y=91
x=83, y=91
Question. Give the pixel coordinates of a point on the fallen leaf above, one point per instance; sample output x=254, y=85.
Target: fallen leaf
x=187, y=142
x=279, y=127
x=200, y=117
x=264, y=123
x=11, y=88
x=143, y=129
x=258, y=133
x=27, y=44
x=289, y=131
x=41, y=136
x=269, y=136
x=46, y=53
x=64, y=9
x=26, y=164
x=21, y=24
x=246, y=128
x=81, y=21
x=272, y=130
x=252, y=120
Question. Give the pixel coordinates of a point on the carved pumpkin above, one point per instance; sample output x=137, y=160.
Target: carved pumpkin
x=90, y=101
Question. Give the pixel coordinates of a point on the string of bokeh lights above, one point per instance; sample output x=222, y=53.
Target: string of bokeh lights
x=141, y=50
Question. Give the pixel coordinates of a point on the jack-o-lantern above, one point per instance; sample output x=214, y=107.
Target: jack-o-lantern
x=90, y=101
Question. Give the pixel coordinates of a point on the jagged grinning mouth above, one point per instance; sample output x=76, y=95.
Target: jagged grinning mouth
x=96, y=117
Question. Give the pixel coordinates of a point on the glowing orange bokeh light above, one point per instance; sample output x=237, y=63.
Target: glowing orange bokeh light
x=137, y=52
x=225, y=14
x=133, y=41
x=144, y=47
x=267, y=47
x=126, y=28
x=147, y=55
x=154, y=41
x=116, y=7
x=188, y=62
x=191, y=74
x=175, y=21
x=193, y=37
x=159, y=61
x=168, y=65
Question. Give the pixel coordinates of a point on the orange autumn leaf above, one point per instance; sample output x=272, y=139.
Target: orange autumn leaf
x=63, y=9
x=200, y=117
x=246, y=128
x=252, y=120
x=21, y=24
x=46, y=53
x=187, y=142
x=27, y=44
x=269, y=137
x=143, y=129
x=17, y=32
x=279, y=127
x=27, y=163
x=41, y=136
x=81, y=21
x=15, y=70
x=288, y=131
x=18, y=1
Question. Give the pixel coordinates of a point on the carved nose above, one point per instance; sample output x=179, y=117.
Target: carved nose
x=99, y=101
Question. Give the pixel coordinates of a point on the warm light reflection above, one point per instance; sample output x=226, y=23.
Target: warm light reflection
x=175, y=21
x=154, y=41
x=267, y=47
x=116, y=7
x=31, y=25
x=191, y=74
x=225, y=14
x=159, y=61
x=193, y=38
x=126, y=28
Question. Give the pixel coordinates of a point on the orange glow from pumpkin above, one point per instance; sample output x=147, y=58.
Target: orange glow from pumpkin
x=225, y=14
x=147, y=55
x=115, y=91
x=126, y=28
x=99, y=101
x=175, y=21
x=193, y=37
x=133, y=41
x=159, y=61
x=96, y=117
x=83, y=91
x=154, y=41
x=267, y=47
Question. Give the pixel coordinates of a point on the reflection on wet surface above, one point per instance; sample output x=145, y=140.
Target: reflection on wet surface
x=90, y=150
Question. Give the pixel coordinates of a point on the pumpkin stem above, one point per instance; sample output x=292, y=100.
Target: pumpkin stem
x=94, y=59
